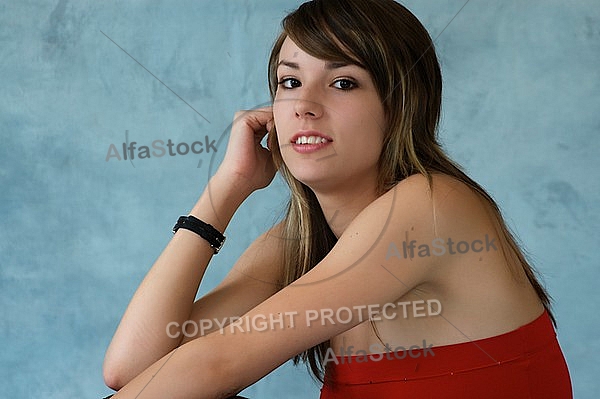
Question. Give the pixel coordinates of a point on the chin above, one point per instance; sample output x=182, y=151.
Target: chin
x=322, y=183
x=311, y=177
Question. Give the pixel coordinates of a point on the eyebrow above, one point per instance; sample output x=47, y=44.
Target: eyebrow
x=329, y=65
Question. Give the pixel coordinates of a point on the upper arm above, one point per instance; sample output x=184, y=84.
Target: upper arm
x=254, y=277
x=356, y=273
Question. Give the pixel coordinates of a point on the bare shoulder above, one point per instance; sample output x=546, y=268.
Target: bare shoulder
x=444, y=189
x=419, y=211
x=448, y=203
x=420, y=201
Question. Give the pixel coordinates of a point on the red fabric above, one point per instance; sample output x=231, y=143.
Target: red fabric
x=524, y=363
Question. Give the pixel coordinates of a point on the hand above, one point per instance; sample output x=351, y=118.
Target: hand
x=247, y=163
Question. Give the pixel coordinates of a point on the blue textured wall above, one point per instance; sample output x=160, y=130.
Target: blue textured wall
x=78, y=232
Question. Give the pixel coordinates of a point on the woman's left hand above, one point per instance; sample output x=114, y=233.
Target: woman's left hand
x=247, y=163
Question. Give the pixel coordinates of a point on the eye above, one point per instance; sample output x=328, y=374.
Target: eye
x=289, y=83
x=344, y=84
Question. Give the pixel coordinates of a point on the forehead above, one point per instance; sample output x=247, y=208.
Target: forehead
x=291, y=55
x=291, y=52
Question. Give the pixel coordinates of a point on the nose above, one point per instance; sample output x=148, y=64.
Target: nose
x=307, y=107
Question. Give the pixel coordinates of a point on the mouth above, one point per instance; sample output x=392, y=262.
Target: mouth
x=306, y=142
x=310, y=137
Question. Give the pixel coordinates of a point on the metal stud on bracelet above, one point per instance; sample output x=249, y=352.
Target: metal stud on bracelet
x=204, y=230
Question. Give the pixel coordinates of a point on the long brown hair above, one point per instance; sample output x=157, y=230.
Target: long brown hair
x=387, y=40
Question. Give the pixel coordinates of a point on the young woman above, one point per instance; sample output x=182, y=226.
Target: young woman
x=392, y=273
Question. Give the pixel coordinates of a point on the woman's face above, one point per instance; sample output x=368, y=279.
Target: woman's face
x=330, y=120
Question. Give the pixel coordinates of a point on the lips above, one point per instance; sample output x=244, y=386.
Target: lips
x=309, y=141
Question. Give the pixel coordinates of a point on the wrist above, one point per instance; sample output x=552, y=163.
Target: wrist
x=234, y=187
x=219, y=201
x=240, y=186
x=213, y=236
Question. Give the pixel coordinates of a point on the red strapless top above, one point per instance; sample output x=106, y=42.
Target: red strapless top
x=524, y=363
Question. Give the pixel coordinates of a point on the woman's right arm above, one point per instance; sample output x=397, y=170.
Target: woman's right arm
x=167, y=293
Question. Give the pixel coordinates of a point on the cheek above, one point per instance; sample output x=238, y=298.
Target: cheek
x=279, y=112
x=372, y=125
x=280, y=132
x=376, y=117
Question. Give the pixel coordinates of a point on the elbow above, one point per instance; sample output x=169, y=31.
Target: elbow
x=112, y=378
x=115, y=374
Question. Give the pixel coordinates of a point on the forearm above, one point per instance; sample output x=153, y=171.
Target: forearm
x=168, y=291
x=183, y=373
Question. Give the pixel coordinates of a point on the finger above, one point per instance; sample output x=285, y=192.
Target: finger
x=259, y=124
x=259, y=111
x=254, y=118
x=264, y=116
x=270, y=124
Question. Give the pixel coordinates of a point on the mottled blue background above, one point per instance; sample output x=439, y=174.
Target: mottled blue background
x=79, y=233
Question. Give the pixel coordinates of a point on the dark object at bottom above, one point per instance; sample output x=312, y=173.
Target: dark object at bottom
x=231, y=397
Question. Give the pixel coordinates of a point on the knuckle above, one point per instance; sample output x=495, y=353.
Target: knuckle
x=239, y=114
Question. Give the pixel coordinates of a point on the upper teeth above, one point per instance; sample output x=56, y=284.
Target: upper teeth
x=310, y=140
